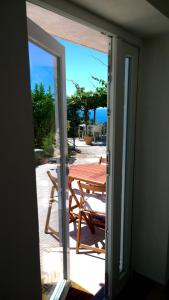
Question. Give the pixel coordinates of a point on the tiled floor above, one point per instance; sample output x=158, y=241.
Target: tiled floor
x=139, y=288
x=142, y=288
x=88, y=269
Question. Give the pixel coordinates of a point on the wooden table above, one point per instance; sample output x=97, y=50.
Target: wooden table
x=90, y=173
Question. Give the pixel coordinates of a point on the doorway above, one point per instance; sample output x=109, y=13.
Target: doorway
x=119, y=158
x=82, y=154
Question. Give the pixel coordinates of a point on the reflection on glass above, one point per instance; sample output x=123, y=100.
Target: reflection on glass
x=43, y=68
x=123, y=234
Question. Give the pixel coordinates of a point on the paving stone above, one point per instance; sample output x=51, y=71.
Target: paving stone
x=50, y=248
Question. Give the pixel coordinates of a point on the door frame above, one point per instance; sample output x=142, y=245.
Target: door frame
x=45, y=41
x=118, y=51
x=114, y=32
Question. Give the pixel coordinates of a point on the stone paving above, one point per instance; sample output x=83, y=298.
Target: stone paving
x=89, y=153
x=87, y=270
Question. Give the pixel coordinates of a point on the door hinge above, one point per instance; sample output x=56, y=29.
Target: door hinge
x=109, y=71
x=108, y=162
x=108, y=112
x=110, y=64
x=109, y=78
x=107, y=232
x=67, y=170
x=67, y=162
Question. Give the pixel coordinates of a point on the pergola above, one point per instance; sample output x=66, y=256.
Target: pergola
x=62, y=27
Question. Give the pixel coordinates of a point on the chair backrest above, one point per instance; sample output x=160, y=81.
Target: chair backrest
x=53, y=180
x=73, y=193
x=102, y=160
x=89, y=129
x=98, y=128
x=90, y=187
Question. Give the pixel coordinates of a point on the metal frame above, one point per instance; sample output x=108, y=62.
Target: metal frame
x=49, y=44
x=109, y=282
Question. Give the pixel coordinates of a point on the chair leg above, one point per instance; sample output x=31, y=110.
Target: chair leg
x=48, y=217
x=52, y=191
x=70, y=203
x=88, y=220
x=48, y=228
x=78, y=231
x=72, y=215
x=91, y=226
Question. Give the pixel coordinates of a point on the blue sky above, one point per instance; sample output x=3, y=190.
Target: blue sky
x=81, y=63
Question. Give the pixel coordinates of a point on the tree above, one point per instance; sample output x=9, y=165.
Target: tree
x=73, y=107
x=88, y=100
x=85, y=101
x=43, y=113
x=99, y=95
x=83, y=98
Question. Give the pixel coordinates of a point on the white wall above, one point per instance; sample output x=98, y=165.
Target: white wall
x=19, y=250
x=161, y=5
x=151, y=197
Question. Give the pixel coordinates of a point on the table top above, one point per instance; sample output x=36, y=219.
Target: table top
x=91, y=173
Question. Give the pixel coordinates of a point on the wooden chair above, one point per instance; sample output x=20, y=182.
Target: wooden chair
x=102, y=160
x=92, y=210
x=97, y=131
x=54, y=188
x=72, y=206
x=72, y=215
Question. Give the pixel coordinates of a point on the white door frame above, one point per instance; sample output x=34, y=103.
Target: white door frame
x=42, y=39
x=114, y=32
x=119, y=175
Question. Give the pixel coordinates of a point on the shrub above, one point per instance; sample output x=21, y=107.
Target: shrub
x=48, y=144
x=43, y=113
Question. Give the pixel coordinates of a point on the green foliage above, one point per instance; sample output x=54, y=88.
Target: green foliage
x=43, y=113
x=85, y=101
x=73, y=108
x=48, y=144
x=100, y=93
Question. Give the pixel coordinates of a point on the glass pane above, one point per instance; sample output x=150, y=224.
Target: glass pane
x=43, y=70
x=123, y=236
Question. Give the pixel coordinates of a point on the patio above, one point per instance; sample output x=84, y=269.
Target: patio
x=86, y=269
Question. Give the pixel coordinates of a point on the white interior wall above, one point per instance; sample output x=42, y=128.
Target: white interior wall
x=161, y=5
x=19, y=251
x=151, y=197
